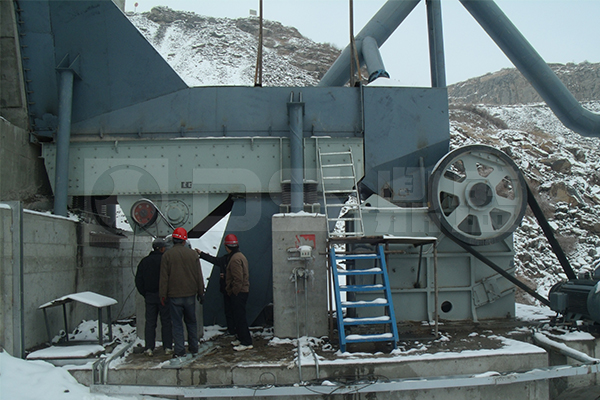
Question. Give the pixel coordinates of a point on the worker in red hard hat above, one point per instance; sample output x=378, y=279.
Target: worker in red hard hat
x=181, y=282
x=234, y=274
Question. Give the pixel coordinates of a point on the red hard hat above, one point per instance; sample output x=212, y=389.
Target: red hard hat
x=231, y=240
x=180, y=233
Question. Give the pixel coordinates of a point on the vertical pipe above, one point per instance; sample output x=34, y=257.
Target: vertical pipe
x=17, y=279
x=436, y=43
x=63, y=138
x=295, y=114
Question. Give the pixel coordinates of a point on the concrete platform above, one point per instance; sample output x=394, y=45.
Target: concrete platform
x=461, y=364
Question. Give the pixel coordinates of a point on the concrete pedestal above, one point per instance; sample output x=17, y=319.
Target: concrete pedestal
x=299, y=284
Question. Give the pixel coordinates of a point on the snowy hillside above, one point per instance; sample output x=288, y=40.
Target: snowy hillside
x=562, y=167
x=207, y=51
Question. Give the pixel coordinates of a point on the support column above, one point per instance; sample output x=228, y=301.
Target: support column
x=18, y=320
x=63, y=137
x=436, y=44
x=295, y=114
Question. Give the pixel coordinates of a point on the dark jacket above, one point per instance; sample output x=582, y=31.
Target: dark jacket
x=147, y=277
x=237, y=277
x=220, y=262
x=180, y=273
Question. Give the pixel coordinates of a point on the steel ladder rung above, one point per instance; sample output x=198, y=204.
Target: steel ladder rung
x=381, y=337
x=367, y=320
x=362, y=288
x=365, y=303
x=336, y=153
x=338, y=166
x=357, y=272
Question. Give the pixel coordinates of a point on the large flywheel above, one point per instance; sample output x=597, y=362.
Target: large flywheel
x=477, y=194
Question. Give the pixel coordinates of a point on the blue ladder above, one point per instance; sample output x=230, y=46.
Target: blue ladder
x=380, y=322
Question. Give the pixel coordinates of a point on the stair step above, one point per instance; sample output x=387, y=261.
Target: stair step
x=366, y=256
x=379, y=302
x=358, y=272
x=384, y=319
x=361, y=288
x=379, y=337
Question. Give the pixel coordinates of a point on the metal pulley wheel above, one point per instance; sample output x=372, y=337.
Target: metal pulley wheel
x=477, y=194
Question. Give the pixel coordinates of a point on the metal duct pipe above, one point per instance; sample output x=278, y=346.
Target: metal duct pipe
x=63, y=138
x=380, y=27
x=436, y=44
x=533, y=67
x=295, y=114
x=372, y=57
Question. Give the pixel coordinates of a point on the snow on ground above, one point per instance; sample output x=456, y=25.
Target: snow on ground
x=35, y=380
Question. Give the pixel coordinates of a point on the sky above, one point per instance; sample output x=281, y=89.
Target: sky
x=561, y=31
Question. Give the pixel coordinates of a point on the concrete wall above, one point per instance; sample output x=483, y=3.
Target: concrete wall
x=58, y=259
x=290, y=231
x=13, y=103
x=22, y=173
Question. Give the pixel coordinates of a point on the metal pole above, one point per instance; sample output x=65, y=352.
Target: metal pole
x=436, y=44
x=295, y=113
x=17, y=281
x=100, y=331
x=63, y=137
x=435, y=288
x=259, y=57
x=64, y=309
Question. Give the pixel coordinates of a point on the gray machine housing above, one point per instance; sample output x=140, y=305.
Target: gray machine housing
x=117, y=125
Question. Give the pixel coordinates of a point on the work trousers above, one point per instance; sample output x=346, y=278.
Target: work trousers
x=229, y=314
x=183, y=309
x=238, y=305
x=153, y=310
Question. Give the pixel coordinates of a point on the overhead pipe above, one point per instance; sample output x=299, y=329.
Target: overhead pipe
x=295, y=115
x=533, y=67
x=380, y=27
x=436, y=44
x=372, y=57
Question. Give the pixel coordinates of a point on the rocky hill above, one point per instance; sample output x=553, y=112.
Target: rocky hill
x=499, y=109
x=221, y=51
x=509, y=87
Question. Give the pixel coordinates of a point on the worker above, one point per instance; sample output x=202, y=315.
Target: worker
x=181, y=283
x=147, y=280
x=237, y=285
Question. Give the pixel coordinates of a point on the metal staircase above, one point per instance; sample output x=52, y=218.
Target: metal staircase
x=338, y=179
x=381, y=323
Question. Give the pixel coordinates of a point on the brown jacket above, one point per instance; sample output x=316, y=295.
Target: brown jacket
x=237, y=278
x=180, y=273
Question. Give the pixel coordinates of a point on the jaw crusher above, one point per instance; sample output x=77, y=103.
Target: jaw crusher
x=118, y=126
